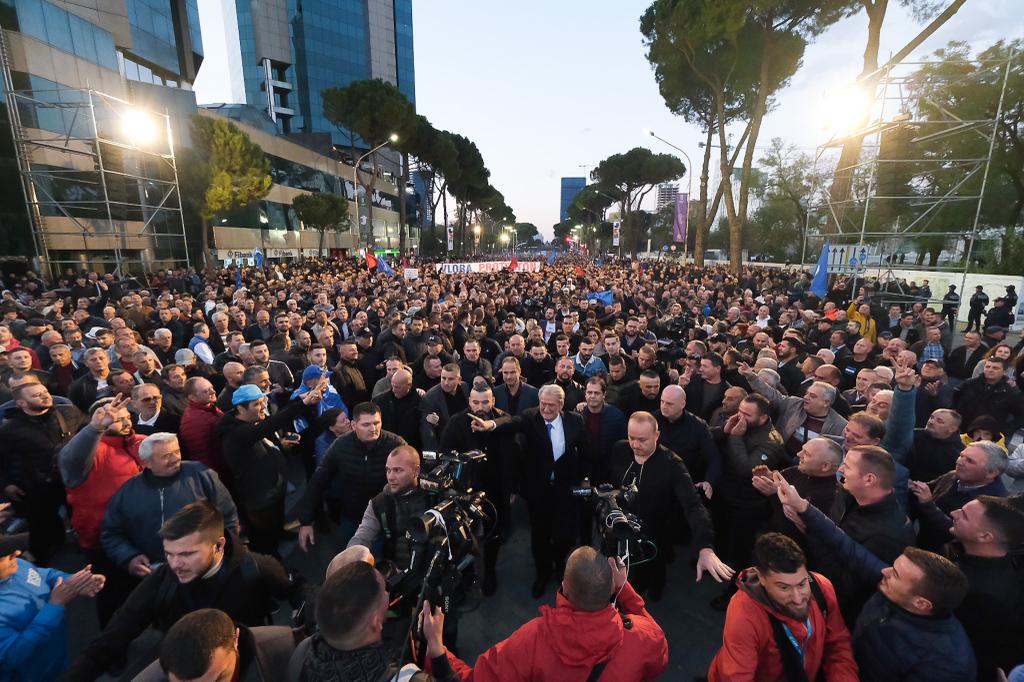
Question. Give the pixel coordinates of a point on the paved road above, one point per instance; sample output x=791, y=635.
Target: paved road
x=693, y=629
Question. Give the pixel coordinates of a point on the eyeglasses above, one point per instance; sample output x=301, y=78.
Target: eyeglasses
x=151, y=399
x=695, y=357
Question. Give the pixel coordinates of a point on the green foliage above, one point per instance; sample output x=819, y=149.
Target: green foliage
x=629, y=177
x=226, y=171
x=525, y=232
x=323, y=211
x=372, y=109
x=589, y=205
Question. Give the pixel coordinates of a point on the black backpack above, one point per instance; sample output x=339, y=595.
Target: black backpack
x=792, y=663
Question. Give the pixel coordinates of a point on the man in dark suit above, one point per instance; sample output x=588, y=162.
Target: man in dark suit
x=514, y=395
x=449, y=397
x=554, y=462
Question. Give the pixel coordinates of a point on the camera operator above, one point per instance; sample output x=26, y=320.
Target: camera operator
x=497, y=475
x=351, y=609
x=389, y=512
x=662, y=486
x=584, y=637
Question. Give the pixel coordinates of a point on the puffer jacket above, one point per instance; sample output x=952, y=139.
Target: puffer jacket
x=135, y=513
x=892, y=645
x=564, y=644
x=749, y=651
x=315, y=660
x=33, y=632
x=32, y=443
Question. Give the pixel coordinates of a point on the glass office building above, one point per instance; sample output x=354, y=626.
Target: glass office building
x=570, y=188
x=286, y=52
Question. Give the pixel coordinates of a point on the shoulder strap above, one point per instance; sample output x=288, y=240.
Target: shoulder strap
x=792, y=666
x=595, y=673
x=819, y=596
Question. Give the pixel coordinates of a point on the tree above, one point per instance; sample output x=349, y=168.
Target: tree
x=374, y=110
x=629, y=177
x=226, y=171
x=733, y=46
x=470, y=185
x=526, y=232
x=323, y=211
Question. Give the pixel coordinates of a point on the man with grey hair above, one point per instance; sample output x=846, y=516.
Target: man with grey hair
x=800, y=419
x=554, y=464
x=134, y=515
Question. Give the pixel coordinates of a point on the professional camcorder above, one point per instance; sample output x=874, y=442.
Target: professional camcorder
x=446, y=538
x=621, y=532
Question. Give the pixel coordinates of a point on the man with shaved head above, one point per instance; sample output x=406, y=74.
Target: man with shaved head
x=687, y=435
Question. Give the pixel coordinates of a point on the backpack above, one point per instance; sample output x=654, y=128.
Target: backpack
x=792, y=662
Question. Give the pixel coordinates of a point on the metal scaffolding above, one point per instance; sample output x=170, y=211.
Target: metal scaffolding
x=99, y=178
x=895, y=208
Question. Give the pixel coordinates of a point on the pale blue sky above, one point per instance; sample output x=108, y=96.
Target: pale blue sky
x=545, y=86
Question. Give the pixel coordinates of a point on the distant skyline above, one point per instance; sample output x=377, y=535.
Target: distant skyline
x=547, y=90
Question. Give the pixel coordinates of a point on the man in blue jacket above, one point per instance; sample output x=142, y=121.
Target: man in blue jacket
x=33, y=635
x=906, y=630
x=135, y=513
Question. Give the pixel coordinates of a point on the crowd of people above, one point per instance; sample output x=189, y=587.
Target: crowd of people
x=844, y=465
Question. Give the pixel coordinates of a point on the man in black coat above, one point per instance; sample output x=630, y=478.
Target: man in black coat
x=32, y=433
x=554, y=463
x=400, y=408
x=498, y=474
x=663, y=488
x=514, y=395
x=564, y=373
x=358, y=460
x=206, y=568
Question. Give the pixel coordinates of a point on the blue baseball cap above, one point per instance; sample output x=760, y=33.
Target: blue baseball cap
x=247, y=393
x=313, y=372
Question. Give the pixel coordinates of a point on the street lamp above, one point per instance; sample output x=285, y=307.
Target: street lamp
x=393, y=137
x=689, y=174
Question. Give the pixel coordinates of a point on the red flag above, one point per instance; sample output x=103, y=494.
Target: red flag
x=405, y=262
x=513, y=265
x=371, y=261
x=580, y=272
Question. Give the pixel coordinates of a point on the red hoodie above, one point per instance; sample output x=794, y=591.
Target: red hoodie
x=749, y=652
x=564, y=644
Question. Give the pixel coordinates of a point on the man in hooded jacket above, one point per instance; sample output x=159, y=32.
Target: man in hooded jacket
x=584, y=631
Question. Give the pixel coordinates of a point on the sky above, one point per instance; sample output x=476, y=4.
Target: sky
x=550, y=88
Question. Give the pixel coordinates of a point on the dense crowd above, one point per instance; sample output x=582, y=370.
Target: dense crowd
x=844, y=464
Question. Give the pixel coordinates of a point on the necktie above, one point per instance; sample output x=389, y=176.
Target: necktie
x=551, y=439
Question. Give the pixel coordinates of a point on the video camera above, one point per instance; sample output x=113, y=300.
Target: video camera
x=447, y=537
x=618, y=528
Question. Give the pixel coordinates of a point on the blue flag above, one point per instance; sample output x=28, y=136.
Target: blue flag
x=238, y=274
x=382, y=266
x=605, y=297
x=599, y=261
x=819, y=285
x=551, y=257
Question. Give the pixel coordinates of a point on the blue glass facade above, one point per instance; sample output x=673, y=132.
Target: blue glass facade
x=570, y=188
x=65, y=31
x=152, y=25
x=404, y=49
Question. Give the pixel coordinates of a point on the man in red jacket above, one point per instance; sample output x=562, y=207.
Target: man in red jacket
x=198, y=428
x=781, y=617
x=583, y=631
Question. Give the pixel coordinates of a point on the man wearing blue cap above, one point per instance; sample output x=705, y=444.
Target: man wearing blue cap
x=253, y=451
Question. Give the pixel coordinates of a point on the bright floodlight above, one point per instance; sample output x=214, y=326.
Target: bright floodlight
x=845, y=110
x=504, y=238
x=476, y=230
x=393, y=137
x=139, y=126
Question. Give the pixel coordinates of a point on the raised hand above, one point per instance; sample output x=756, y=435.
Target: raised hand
x=788, y=495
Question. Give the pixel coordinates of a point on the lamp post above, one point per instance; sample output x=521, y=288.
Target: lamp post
x=689, y=177
x=393, y=137
x=476, y=240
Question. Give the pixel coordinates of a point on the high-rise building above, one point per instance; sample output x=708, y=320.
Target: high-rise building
x=84, y=71
x=667, y=193
x=570, y=188
x=280, y=54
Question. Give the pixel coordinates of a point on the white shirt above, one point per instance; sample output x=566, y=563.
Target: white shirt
x=557, y=435
x=151, y=421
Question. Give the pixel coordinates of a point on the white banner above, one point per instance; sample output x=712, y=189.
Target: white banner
x=236, y=254
x=451, y=238
x=282, y=253
x=616, y=227
x=489, y=266
x=411, y=273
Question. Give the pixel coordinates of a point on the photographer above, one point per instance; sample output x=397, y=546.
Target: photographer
x=662, y=486
x=584, y=637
